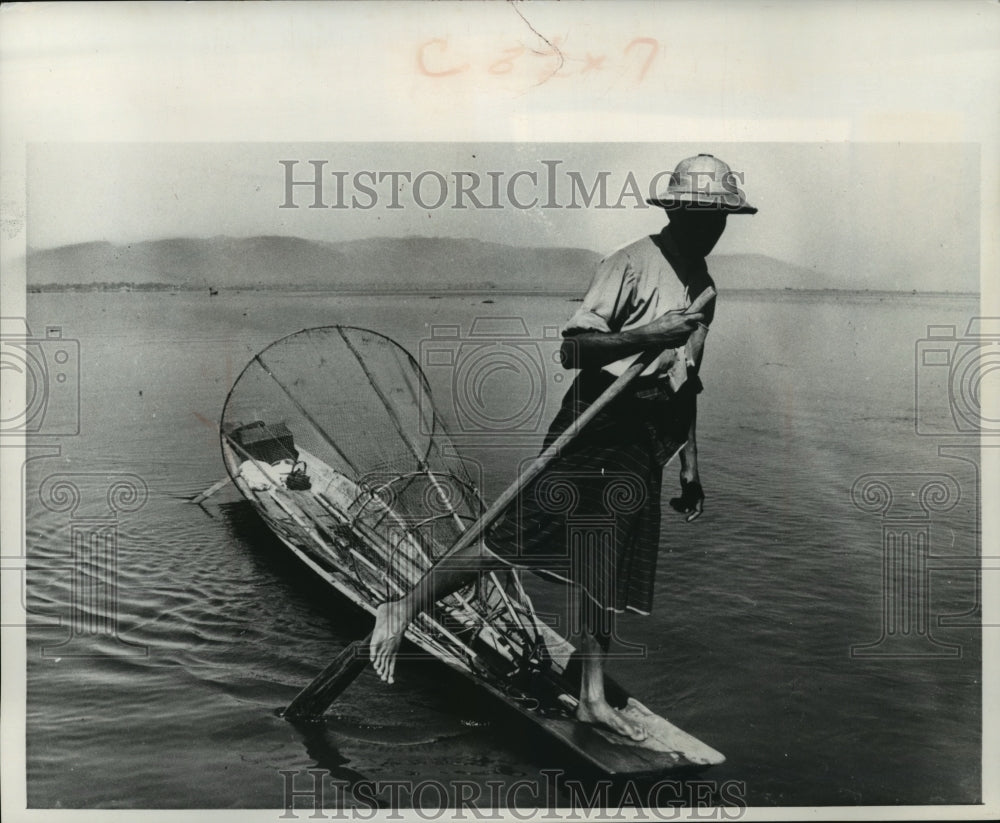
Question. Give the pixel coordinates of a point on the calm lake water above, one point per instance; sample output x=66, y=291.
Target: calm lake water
x=757, y=608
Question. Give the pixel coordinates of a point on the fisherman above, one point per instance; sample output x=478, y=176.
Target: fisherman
x=635, y=303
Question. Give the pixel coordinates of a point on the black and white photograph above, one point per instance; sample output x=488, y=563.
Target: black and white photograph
x=434, y=411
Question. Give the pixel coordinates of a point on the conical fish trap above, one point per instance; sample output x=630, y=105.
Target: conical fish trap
x=332, y=433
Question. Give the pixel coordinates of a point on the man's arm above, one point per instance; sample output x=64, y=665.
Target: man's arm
x=588, y=350
x=692, y=499
x=689, y=454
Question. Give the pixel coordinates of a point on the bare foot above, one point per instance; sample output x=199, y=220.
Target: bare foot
x=600, y=713
x=386, y=637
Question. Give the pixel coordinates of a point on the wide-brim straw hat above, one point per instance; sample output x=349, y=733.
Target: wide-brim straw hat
x=705, y=182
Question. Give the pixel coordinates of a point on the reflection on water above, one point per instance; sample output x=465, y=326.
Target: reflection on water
x=758, y=602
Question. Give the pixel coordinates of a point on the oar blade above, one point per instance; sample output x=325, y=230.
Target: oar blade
x=198, y=499
x=327, y=686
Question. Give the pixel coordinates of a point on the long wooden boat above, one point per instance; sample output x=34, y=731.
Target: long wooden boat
x=331, y=434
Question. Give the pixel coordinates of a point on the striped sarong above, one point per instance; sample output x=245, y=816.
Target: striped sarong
x=593, y=516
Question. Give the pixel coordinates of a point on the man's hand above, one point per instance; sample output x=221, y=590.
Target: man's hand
x=672, y=329
x=596, y=349
x=692, y=500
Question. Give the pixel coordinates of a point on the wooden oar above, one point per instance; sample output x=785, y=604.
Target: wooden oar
x=198, y=499
x=314, y=699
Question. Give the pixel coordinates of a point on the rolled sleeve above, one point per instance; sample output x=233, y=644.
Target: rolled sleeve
x=605, y=306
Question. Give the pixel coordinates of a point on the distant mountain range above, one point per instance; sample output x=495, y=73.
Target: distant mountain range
x=374, y=264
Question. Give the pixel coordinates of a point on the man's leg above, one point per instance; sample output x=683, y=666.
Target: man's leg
x=594, y=707
x=393, y=616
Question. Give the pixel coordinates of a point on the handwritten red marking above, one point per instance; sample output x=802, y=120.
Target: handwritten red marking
x=592, y=63
x=654, y=47
x=422, y=65
x=495, y=68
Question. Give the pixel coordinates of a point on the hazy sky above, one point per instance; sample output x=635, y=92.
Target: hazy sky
x=880, y=215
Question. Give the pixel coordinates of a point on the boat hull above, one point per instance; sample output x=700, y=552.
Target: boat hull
x=305, y=529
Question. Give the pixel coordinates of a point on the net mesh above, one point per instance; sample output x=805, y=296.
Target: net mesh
x=332, y=434
x=352, y=409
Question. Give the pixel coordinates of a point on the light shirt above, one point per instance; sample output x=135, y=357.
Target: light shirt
x=632, y=287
